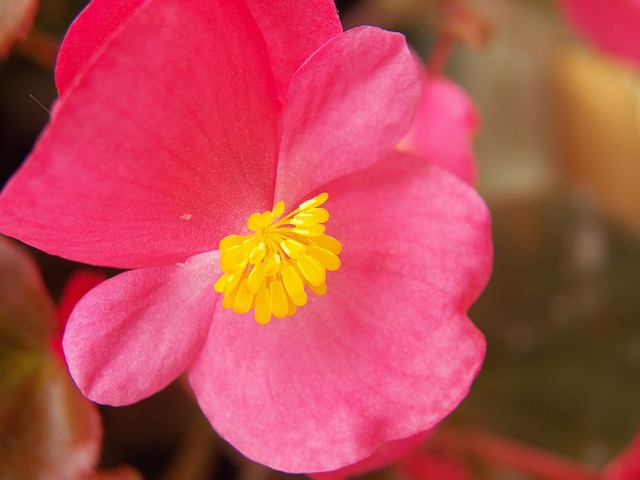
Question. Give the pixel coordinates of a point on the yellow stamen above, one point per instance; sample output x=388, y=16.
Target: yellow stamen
x=269, y=270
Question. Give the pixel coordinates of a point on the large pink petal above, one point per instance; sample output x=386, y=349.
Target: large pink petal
x=87, y=34
x=293, y=30
x=166, y=143
x=612, y=26
x=443, y=128
x=346, y=107
x=385, y=354
x=135, y=333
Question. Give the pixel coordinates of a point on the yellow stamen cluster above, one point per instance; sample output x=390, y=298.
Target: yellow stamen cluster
x=268, y=270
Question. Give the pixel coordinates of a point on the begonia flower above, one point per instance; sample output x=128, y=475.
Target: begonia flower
x=185, y=128
x=443, y=127
x=611, y=26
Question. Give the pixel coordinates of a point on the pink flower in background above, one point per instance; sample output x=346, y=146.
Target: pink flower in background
x=80, y=282
x=443, y=128
x=626, y=466
x=612, y=26
x=177, y=126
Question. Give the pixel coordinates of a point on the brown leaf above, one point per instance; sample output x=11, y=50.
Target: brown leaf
x=48, y=430
x=26, y=309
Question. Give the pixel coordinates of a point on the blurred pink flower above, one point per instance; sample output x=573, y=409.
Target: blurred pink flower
x=443, y=127
x=80, y=282
x=627, y=465
x=176, y=122
x=612, y=26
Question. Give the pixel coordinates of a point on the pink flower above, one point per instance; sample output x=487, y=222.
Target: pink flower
x=79, y=283
x=176, y=122
x=626, y=466
x=443, y=127
x=612, y=26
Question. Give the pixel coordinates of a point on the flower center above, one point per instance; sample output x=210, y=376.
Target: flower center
x=269, y=269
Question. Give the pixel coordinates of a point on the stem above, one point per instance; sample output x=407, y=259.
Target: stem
x=507, y=452
x=440, y=54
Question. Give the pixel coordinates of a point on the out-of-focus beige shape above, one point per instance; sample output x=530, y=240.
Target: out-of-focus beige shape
x=597, y=120
x=16, y=18
x=509, y=83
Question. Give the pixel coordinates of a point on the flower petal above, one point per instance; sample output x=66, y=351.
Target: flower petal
x=87, y=34
x=133, y=334
x=165, y=144
x=293, y=30
x=612, y=26
x=443, y=128
x=385, y=354
x=347, y=106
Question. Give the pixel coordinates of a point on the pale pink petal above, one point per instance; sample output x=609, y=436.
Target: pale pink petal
x=385, y=354
x=347, y=106
x=443, y=128
x=612, y=26
x=87, y=34
x=387, y=454
x=166, y=143
x=293, y=30
x=135, y=333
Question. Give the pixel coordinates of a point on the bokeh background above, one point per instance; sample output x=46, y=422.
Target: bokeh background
x=558, y=156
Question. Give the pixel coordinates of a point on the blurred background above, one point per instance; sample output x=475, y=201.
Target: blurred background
x=558, y=154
